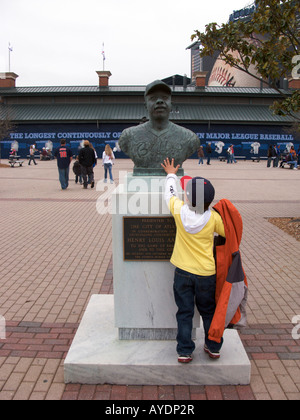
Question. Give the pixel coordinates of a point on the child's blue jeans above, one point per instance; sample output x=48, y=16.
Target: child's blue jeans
x=191, y=289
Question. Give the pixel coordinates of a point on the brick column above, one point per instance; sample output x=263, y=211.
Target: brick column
x=200, y=77
x=8, y=79
x=104, y=76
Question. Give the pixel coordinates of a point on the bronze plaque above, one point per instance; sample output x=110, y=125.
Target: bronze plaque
x=148, y=238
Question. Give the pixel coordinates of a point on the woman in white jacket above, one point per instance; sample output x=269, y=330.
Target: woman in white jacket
x=108, y=159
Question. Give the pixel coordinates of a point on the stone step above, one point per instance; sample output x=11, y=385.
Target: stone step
x=97, y=356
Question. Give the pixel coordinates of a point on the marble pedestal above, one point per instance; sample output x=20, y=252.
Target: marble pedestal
x=97, y=356
x=129, y=337
x=143, y=290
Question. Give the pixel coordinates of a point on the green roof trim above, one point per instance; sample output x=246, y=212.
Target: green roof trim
x=83, y=90
x=134, y=112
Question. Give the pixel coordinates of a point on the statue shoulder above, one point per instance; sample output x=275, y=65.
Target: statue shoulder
x=125, y=133
x=124, y=138
x=131, y=131
x=185, y=133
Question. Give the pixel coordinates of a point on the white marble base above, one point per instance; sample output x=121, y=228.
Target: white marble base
x=143, y=290
x=97, y=356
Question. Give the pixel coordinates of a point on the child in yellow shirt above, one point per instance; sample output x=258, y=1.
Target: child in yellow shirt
x=195, y=273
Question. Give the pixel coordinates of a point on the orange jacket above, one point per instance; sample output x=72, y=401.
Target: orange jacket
x=231, y=281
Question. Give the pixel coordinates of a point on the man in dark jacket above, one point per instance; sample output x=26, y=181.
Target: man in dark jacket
x=87, y=159
x=64, y=157
x=208, y=153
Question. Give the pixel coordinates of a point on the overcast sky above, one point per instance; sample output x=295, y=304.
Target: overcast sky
x=59, y=42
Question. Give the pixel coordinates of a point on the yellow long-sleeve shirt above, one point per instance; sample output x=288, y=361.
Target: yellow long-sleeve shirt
x=193, y=249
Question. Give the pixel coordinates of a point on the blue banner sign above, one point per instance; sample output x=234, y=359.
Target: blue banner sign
x=220, y=136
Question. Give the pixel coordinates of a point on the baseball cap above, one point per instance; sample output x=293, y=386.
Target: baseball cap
x=157, y=84
x=199, y=191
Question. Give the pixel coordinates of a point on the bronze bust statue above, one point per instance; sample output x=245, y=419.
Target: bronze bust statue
x=148, y=144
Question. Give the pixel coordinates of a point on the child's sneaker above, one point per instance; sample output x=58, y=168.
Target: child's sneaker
x=212, y=355
x=185, y=358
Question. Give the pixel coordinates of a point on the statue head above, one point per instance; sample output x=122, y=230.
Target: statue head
x=158, y=100
x=150, y=143
x=157, y=84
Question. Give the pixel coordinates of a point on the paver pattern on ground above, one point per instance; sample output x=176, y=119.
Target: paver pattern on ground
x=56, y=252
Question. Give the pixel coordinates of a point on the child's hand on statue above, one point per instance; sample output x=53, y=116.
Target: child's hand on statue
x=169, y=167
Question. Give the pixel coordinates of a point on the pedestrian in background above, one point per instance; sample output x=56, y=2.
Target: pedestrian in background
x=277, y=155
x=108, y=159
x=63, y=156
x=271, y=156
x=77, y=171
x=87, y=159
x=293, y=157
x=208, y=153
x=232, y=154
x=200, y=155
x=31, y=154
x=229, y=155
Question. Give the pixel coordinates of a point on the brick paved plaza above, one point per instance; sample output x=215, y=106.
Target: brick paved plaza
x=56, y=252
